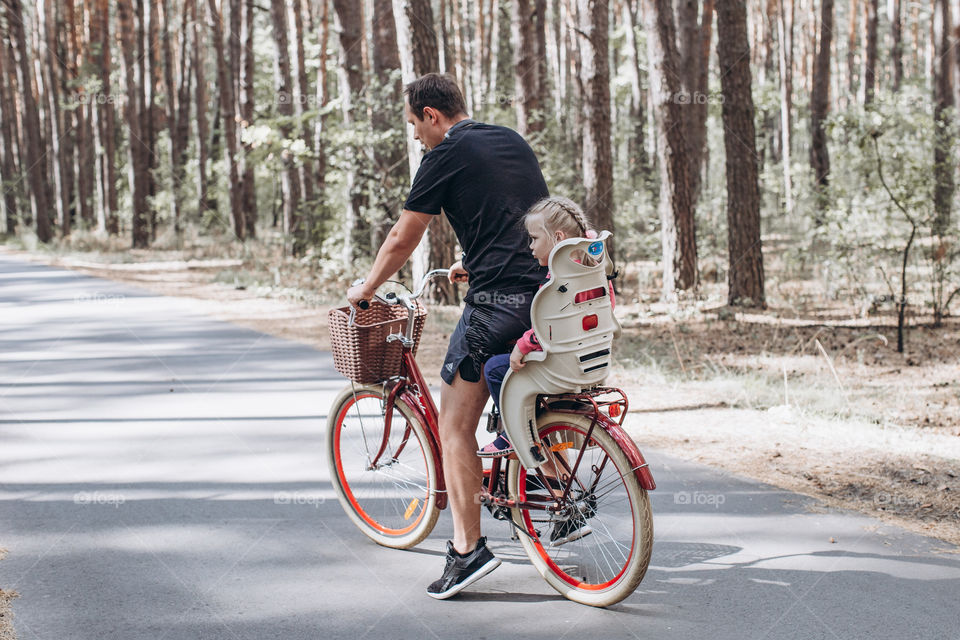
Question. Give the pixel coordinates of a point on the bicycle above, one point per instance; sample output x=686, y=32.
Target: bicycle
x=384, y=452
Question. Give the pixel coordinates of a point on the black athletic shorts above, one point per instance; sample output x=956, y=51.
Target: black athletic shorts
x=491, y=323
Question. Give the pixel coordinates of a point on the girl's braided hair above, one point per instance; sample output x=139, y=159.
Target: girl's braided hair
x=561, y=214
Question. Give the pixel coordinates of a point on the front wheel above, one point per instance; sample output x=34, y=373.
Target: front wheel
x=596, y=550
x=386, y=483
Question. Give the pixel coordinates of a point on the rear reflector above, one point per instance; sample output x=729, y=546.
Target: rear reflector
x=590, y=322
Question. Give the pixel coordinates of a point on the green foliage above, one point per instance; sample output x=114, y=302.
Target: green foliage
x=864, y=233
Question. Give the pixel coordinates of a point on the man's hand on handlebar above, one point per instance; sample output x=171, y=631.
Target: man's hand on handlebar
x=361, y=292
x=458, y=273
x=358, y=292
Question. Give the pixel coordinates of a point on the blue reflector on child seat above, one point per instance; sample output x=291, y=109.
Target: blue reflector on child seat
x=595, y=249
x=590, y=322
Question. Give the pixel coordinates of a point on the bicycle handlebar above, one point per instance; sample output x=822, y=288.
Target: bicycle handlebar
x=404, y=299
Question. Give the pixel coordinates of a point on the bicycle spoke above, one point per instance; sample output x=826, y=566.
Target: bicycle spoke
x=608, y=554
x=392, y=493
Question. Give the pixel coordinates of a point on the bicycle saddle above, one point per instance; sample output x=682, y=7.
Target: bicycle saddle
x=576, y=338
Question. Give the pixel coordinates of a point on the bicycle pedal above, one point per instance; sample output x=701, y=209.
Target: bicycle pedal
x=493, y=421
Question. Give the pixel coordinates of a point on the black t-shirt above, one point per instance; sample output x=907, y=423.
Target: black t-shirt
x=484, y=177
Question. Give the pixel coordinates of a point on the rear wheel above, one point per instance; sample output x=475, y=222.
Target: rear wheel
x=597, y=549
x=386, y=485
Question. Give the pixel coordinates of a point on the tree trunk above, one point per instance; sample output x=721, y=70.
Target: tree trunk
x=387, y=157
x=595, y=74
x=870, y=60
x=852, y=47
x=695, y=36
x=743, y=192
x=785, y=63
x=526, y=67
x=678, y=233
x=492, y=80
x=419, y=55
x=104, y=118
x=465, y=43
x=488, y=64
x=350, y=76
x=896, y=50
x=575, y=82
x=445, y=58
x=457, y=47
x=16, y=120
x=248, y=186
x=305, y=169
x=819, y=106
x=46, y=14
x=133, y=108
x=179, y=117
x=639, y=161
x=235, y=46
x=320, y=124
x=915, y=33
x=540, y=14
x=289, y=178
x=476, y=48
x=423, y=38
x=75, y=140
x=82, y=155
x=943, y=165
x=206, y=201
x=240, y=45
x=555, y=56
x=8, y=123
x=228, y=118
x=33, y=155
x=171, y=103
x=152, y=115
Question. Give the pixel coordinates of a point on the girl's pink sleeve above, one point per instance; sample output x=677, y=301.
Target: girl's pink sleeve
x=613, y=298
x=528, y=342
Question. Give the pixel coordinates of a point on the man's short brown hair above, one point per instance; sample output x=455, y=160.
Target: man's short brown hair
x=437, y=90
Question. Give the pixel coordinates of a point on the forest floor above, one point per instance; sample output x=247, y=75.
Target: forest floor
x=816, y=400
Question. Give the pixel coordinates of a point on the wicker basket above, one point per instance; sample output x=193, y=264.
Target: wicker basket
x=361, y=352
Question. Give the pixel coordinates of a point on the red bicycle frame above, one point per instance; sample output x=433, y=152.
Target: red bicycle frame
x=583, y=404
x=410, y=386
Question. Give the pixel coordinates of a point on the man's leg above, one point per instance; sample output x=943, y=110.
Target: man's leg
x=461, y=405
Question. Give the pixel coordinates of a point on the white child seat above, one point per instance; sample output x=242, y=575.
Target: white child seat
x=576, y=338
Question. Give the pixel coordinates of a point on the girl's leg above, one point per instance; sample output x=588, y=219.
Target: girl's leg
x=495, y=370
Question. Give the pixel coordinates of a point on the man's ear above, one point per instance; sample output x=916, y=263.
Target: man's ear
x=429, y=113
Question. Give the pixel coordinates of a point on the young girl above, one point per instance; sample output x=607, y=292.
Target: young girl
x=549, y=221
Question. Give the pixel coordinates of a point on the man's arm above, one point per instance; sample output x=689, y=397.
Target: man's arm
x=395, y=251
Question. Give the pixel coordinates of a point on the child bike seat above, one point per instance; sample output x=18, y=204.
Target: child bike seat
x=576, y=338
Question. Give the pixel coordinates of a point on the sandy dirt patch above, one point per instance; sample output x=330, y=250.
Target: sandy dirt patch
x=6, y=610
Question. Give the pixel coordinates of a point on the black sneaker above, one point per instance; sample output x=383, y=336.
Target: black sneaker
x=463, y=570
x=568, y=530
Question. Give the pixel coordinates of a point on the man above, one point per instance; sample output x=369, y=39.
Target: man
x=484, y=177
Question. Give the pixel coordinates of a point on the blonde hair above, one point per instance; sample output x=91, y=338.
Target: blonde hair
x=560, y=214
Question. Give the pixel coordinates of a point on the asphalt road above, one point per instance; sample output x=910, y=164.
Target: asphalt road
x=162, y=476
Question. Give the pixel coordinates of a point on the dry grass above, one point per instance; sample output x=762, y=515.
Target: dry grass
x=826, y=408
